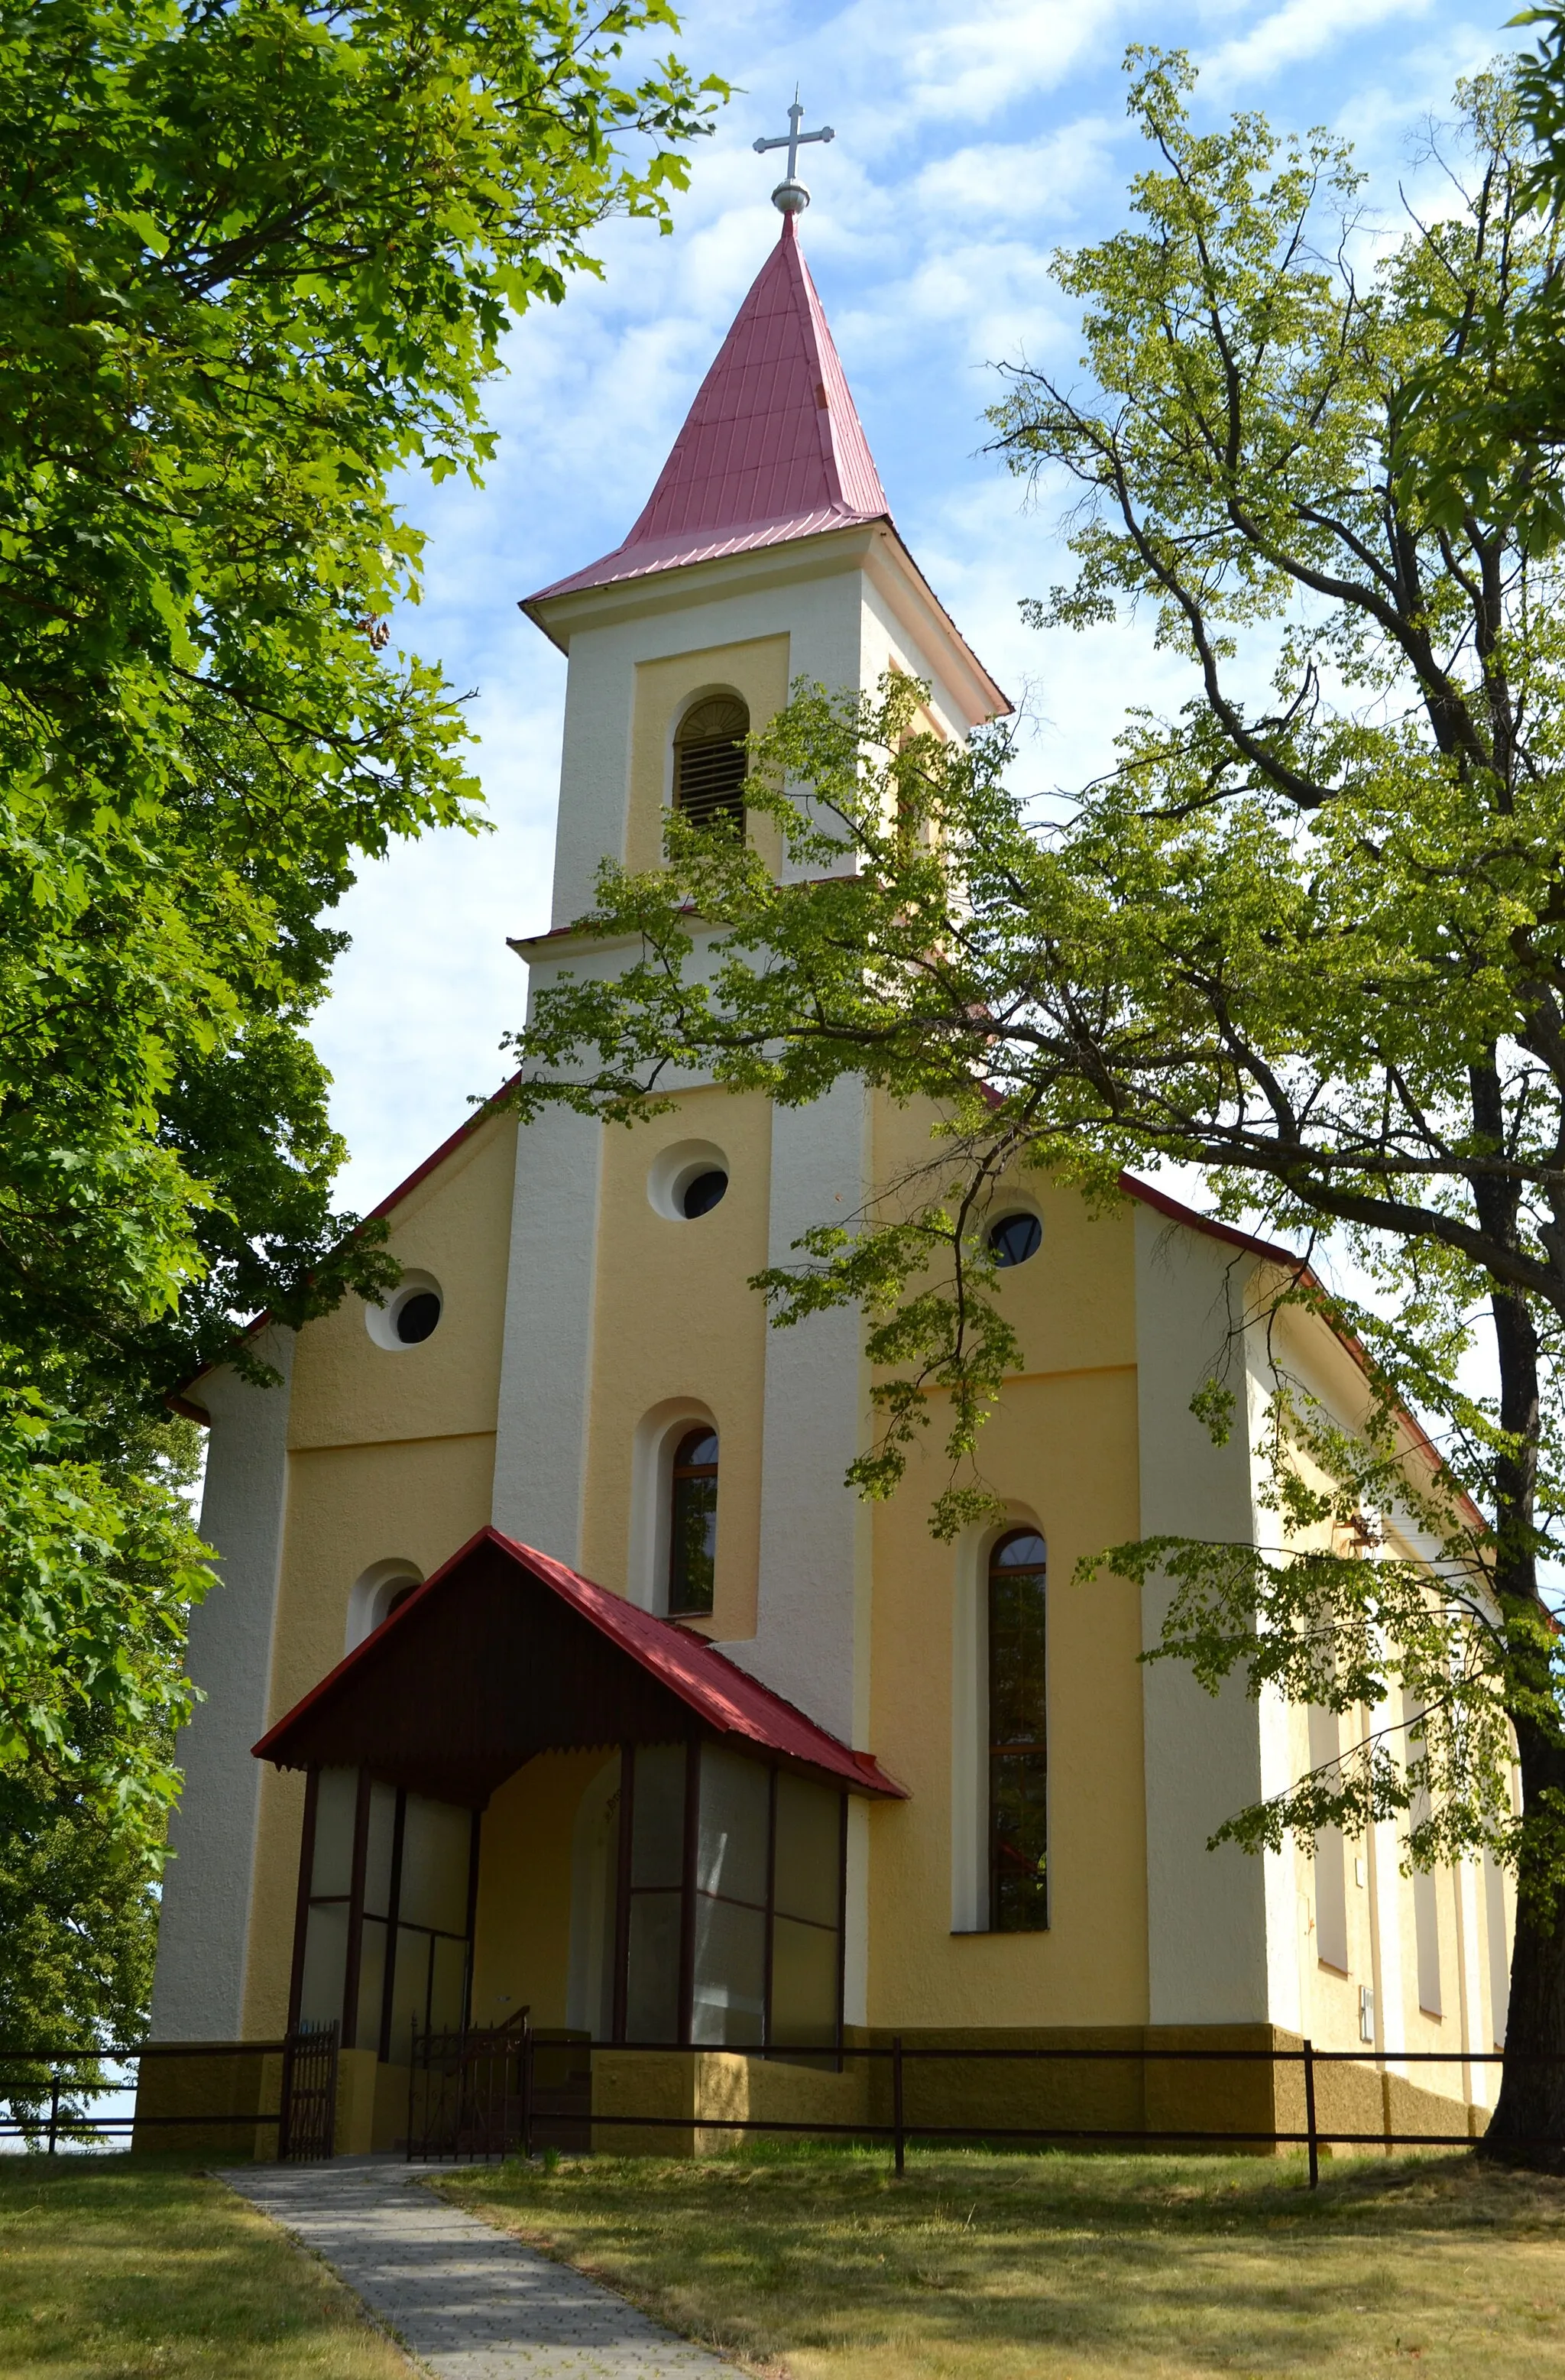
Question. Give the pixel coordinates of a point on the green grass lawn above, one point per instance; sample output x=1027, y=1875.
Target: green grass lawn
x=821, y=2267
x=133, y=2268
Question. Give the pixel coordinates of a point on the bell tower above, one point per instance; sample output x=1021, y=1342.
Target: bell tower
x=765, y=553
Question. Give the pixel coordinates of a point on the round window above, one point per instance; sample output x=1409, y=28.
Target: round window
x=701, y=1195
x=416, y=1317
x=410, y=1315
x=1015, y=1238
x=688, y=1179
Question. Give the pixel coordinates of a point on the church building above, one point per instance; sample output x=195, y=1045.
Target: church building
x=552, y=1666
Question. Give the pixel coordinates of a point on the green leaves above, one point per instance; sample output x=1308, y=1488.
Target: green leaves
x=254, y=260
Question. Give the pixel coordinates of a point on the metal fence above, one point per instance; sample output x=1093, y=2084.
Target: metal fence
x=58, y=2095
x=903, y=2130
x=476, y=2096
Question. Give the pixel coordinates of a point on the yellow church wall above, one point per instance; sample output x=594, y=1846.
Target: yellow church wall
x=522, y=1937
x=391, y=1458
x=756, y=670
x=1061, y=1453
x=455, y=1225
x=675, y=1320
x=1060, y=1450
x=349, y=1507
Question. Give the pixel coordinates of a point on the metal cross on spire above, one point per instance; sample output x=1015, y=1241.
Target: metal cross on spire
x=791, y=198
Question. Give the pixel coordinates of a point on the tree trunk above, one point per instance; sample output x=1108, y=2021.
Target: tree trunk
x=1528, y=2124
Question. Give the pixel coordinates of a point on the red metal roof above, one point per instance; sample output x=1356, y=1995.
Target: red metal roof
x=461, y=1688
x=772, y=449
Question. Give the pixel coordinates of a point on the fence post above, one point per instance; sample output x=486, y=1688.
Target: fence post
x=53, y=2108
x=899, y=2134
x=1309, y=2113
x=412, y=2064
x=526, y=2087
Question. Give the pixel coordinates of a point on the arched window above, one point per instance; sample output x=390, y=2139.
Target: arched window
x=710, y=764
x=1018, y=1829
x=692, y=1554
x=376, y=1594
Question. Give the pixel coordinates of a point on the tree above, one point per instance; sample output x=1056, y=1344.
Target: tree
x=256, y=259
x=1309, y=936
x=1488, y=401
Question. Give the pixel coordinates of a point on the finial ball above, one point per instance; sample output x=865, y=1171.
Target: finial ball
x=790, y=196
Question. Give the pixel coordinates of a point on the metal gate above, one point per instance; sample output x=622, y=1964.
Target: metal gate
x=471, y=2094
x=308, y=2121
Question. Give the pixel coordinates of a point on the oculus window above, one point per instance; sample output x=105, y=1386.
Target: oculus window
x=416, y=1317
x=700, y=1196
x=410, y=1315
x=1015, y=1238
x=1018, y=1763
x=710, y=765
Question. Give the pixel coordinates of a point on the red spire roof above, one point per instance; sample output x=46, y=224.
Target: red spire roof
x=772, y=449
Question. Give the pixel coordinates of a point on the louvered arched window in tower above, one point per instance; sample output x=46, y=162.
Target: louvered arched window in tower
x=710, y=764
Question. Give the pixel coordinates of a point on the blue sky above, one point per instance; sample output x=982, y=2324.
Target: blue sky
x=972, y=139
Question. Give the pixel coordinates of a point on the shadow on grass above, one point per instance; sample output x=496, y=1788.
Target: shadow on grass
x=976, y=2262
x=112, y=2268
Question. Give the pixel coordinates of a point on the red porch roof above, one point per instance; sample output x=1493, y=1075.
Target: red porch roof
x=503, y=1654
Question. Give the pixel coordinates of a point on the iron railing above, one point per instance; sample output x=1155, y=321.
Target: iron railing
x=481, y=2095
x=303, y=2117
x=470, y=2093
x=902, y=2130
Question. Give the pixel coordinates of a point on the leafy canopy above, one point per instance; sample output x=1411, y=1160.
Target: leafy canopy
x=257, y=258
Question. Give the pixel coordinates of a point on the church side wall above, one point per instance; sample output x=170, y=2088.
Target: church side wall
x=204, y=1929
x=1444, y=2000
x=391, y=1458
x=891, y=639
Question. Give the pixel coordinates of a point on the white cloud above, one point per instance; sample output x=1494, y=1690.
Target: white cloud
x=970, y=68
x=1300, y=30
x=420, y=1002
x=1036, y=181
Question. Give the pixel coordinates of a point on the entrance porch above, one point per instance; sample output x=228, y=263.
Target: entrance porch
x=525, y=1794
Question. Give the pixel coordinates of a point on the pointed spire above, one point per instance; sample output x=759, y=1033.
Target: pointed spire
x=772, y=449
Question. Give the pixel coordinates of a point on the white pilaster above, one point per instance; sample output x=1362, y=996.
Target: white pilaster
x=1475, y=2032
x=1385, y=1916
x=811, y=1641
x=198, y=1993
x=545, y=1366
x=1208, y=1947
x=594, y=767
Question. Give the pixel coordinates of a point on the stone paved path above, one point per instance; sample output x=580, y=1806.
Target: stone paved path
x=469, y=2301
